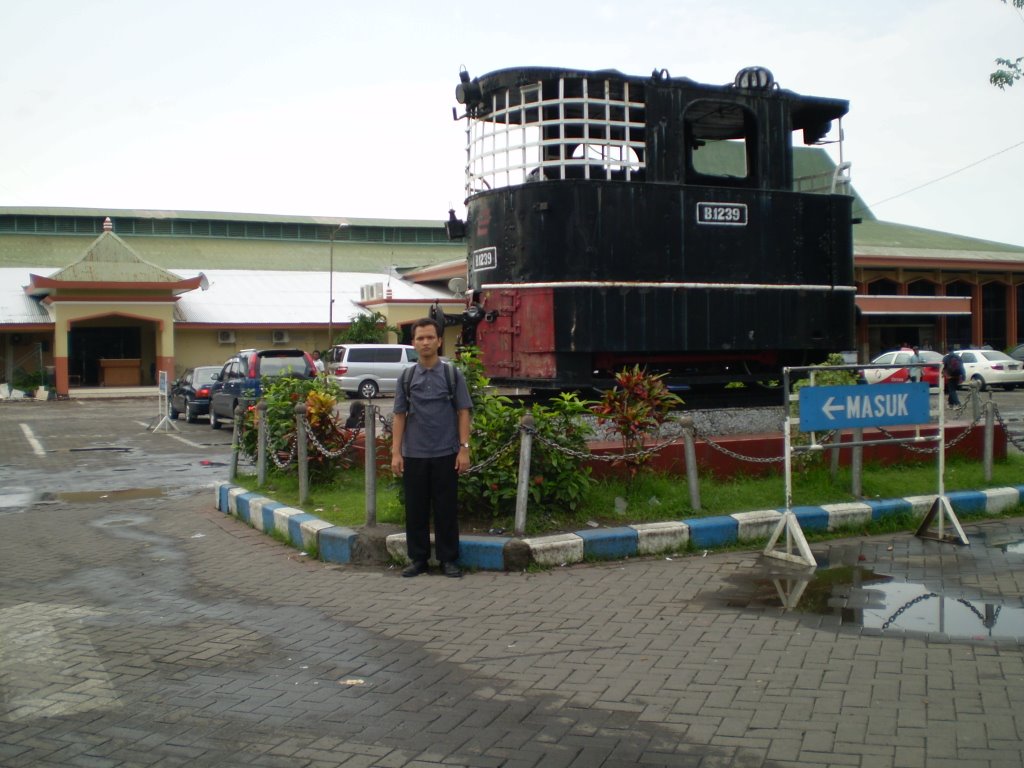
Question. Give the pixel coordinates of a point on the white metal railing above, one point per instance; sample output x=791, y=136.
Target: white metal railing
x=526, y=137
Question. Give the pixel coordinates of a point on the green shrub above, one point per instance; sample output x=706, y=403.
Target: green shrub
x=281, y=395
x=558, y=479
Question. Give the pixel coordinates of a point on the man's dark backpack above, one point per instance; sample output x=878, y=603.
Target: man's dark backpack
x=405, y=382
x=954, y=366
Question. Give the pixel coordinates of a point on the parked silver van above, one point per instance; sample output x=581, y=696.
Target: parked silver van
x=367, y=370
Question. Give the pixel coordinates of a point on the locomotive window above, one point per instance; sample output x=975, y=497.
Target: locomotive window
x=564, y=128
x=720, y=140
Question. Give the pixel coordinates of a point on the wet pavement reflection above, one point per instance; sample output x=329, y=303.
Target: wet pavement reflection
x=858, y=596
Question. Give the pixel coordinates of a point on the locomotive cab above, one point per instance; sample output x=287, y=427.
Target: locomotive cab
x=616, y=220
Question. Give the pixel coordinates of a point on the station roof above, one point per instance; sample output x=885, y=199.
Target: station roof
x=240, y=297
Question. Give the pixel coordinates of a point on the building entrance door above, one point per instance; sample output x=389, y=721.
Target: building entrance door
x=87, y=346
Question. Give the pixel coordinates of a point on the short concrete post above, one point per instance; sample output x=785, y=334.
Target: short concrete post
x=690, y=453
x=975, y=401
x=990, y=428
x=834, y=455
x=523, y=486
x=236, y=442
x=370, y=464
x=857, y=464
x=301, y=452
x=261, y=442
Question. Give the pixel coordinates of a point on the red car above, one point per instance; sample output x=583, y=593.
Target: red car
x=931, y=363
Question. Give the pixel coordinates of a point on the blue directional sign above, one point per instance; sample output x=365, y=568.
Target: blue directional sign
x=874, y=405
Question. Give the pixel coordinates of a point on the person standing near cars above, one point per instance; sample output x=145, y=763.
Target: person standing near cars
x=953, y=373
x=317, y=362
x=915, y=365
x=430, y=449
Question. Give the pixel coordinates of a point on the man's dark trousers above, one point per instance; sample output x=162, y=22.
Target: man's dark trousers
x=431, y=485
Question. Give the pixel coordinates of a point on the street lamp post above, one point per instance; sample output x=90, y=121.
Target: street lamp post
x=330, y=289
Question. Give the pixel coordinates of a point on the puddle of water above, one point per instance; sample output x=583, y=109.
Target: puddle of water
x=17, y=497
x=127, y=494
x=858, y=596
x=1015, y=547
x=100, y=448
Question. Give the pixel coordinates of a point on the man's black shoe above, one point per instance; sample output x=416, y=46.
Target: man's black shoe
x=451, y=570
x=415, y=569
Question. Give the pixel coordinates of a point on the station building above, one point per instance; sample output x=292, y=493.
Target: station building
x=92, y=297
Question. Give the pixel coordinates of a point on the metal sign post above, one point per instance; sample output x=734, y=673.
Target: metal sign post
x=941, y=510
x=855, y=407
x=163, y=410
x=788, y=522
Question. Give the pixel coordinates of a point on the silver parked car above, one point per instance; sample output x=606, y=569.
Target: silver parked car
x=368, y=370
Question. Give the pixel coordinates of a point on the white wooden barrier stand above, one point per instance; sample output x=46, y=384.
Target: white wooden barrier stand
x=788, y=522
x=163, y=410
x=941, y=510
x=794, y=535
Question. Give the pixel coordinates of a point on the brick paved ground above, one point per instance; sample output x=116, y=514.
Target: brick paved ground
x=158, y=632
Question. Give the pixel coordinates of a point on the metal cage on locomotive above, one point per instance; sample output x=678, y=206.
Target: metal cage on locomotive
x=616, y=220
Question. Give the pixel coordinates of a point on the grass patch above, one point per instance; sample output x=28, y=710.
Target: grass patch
x=656, y=498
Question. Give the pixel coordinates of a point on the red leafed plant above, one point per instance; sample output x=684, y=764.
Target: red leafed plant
x=636, y=407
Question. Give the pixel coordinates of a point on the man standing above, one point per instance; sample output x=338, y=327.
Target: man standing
x=915, y=365
x=431, y=428
x=317, y=362
x=953, y=372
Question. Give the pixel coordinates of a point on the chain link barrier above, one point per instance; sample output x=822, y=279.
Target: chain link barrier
x=928, y=596
x=477, y=468
x=586, y=455
x=1018, y=444
x=906, y=607
x=323, y=450
x=292, y=453
x=738, y=456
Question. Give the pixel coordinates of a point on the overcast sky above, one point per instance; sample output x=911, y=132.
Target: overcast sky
x=335, y=108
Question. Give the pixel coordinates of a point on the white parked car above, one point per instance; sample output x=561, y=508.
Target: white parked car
x=991, y=367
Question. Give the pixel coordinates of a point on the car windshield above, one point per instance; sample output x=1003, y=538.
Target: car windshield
x=282, y=366
x=206, y=374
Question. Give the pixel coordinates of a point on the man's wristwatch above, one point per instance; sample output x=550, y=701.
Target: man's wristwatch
x=464, y=445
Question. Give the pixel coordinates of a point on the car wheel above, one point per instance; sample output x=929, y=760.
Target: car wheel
x=190, y=414
x=214, y=421
x=368, y=389
x=981, y=382
x=172, y=412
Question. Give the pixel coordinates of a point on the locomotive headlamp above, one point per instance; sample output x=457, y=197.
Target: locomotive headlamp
x=454, y=228
x=754, y=79
x=466, y=91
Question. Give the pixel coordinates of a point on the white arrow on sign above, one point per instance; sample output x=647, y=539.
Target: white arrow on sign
x=828, y=409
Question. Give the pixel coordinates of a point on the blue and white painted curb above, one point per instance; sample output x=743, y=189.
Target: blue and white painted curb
x=494, y=553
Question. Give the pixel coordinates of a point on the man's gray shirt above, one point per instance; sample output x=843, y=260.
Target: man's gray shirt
x=433, y=427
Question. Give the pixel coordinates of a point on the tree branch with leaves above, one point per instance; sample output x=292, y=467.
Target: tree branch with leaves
x=1009, y=71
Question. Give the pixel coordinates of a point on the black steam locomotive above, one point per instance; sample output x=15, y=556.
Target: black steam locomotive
x=617, y=220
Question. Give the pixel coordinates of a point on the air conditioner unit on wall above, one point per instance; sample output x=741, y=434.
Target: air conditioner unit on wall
x=225, y=337
x=279, y=337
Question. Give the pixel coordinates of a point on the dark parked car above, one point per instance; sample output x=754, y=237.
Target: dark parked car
x=239, y=379
x=191, y=393
x=1017, y=353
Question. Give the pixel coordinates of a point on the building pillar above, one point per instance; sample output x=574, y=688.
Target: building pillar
x=165, y=350
x=1012, y=313
x=977, y=312
x=61, y=330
